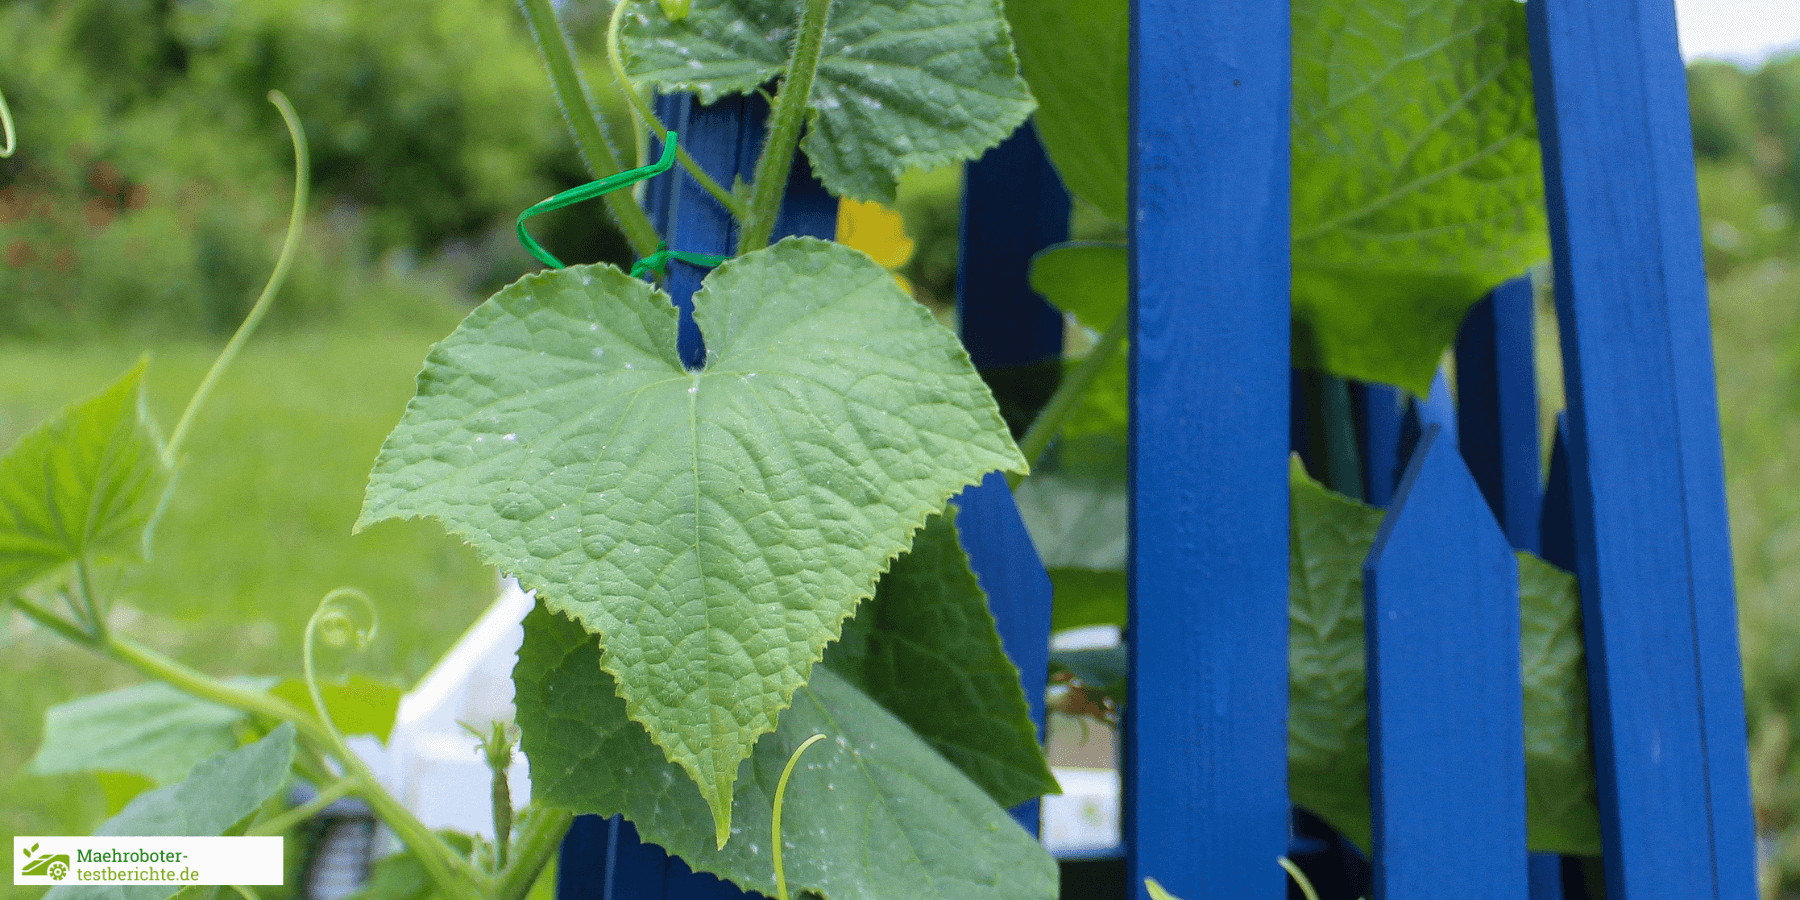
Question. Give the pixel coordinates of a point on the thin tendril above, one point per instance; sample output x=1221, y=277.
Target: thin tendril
x=12, y=139
x=332, y=612
x=781, y=891
x=288, y=247
x=1299, y=878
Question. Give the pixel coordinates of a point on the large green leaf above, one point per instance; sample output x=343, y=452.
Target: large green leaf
x=221, y=795
x=900, y=86
x=873, y=813
x=148, y=729
x=1328, y=745
x=926, y=648
x=1328, y=760
x=1417, y=184
x=88, y=481
x=714, y=526
x=1416, y=180
x=1073, y=53
x=1092, y=282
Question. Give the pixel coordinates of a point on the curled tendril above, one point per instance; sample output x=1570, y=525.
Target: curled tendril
x=6, y=122
x=336, y=621
x=1299, y=878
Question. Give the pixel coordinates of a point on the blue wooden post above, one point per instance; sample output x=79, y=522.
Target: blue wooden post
x=1380, y=410
x=1014, y=205
x=1446, y=710
x=1205, y=734
x=1652, y=545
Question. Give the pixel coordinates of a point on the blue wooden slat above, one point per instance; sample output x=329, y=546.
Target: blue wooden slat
x=1018, y=589
x=1496, y=392
x=1556, y=524
x=1205, y=735
x=1650, y=523
x=1446, y=709
x=1380, y=412
x=1644, y=450
x=1013, y=206
x=1436, y=408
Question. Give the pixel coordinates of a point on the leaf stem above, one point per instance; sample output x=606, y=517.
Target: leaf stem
x=261, y=308
x=54, y=622
x=785, y=121
x=85, y=583
x=1068, y=394
x=647, y=115
x=597, y=150
x=287, y=821
x=454, y=874
x=541, y=832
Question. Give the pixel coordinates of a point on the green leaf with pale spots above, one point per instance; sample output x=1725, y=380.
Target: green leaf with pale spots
x=872, y=813
x=900, y=86
x=715, y=526
x=88, y=481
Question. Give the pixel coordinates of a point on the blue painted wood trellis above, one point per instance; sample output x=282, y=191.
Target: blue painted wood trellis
x=1633, y=500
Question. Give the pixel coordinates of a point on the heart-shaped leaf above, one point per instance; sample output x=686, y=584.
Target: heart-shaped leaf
x=716, y=526
x=900, y=86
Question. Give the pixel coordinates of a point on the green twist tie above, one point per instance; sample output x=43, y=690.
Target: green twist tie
x=658, y=262
x=589, y=191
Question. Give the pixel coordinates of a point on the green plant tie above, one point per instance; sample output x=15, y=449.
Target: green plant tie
x=589, y=191
x=658, y=262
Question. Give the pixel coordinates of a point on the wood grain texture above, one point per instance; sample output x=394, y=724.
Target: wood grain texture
x=1646, y=479
x=1446, y=707
x=1205, y=806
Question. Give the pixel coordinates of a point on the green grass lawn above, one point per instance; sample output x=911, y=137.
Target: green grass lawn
x=258, y=530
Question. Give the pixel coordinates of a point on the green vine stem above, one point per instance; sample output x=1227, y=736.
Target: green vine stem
x=615, y=59
x=455, y=875
x=1068, y=394
x=785, y=121
x=6, y=122
x=288, y=821
x=540, y=834
x=261, y=308
x=597, y=150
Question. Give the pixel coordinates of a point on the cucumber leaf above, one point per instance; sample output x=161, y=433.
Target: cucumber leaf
x=149, y=729
x=926, y=648
x=715, y=526
x=1417, y=185
x=1074, y=54
x=873, y=813
x=88, y=481
x=900, y=86
x=218, y=798
x=359, y=705
x=1328, y=758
